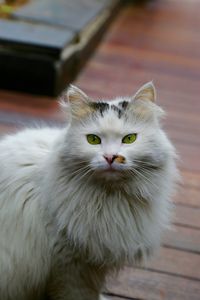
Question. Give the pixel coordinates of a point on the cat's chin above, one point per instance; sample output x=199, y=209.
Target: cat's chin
x=109, y=174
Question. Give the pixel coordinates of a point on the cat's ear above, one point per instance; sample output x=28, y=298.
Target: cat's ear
x=143, y=103
x=146, y=92
x=77, y=101
x=76, y=96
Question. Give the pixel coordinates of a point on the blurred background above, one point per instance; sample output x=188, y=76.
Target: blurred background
x=46, y=44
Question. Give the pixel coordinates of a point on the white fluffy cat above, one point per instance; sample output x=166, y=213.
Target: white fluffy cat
x=79, y=202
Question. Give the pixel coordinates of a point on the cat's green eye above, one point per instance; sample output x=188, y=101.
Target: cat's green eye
x=129, y=138
x=93, y=139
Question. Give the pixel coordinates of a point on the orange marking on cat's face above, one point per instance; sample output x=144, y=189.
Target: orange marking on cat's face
x=120, y=159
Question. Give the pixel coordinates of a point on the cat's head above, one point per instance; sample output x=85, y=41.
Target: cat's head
x=116, y=138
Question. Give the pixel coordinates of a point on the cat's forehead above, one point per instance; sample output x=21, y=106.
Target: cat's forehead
x=115, y=107
x=110, y=117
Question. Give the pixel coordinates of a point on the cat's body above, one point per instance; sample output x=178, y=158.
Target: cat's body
x=72, y=209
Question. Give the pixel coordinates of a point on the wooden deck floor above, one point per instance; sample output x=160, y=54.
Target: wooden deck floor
x=160, y=41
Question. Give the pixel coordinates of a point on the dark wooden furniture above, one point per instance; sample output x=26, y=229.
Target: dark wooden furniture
x=45, y=43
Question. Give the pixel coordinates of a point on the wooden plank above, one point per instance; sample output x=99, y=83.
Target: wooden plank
x=188, y=196
x=20, y=121
x=182, y=134
x=148, y=285
x=191, y=179
x=187, y=216
x=189, y=157
x=176, y=262
x=100, y=84
x=30, y=105
x=25, y=118
x=183, y=238
x=152, y=60
x=170, y=19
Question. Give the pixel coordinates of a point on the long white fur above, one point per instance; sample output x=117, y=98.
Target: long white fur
x=64, y=225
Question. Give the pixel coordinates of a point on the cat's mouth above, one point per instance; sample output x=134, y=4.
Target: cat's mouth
x=112, y=176
x=110, y=172
x=110, y=169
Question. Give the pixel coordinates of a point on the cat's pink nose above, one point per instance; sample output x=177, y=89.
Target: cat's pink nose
x=110, y=158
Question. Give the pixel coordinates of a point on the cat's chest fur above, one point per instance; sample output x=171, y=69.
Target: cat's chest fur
x=100, y=223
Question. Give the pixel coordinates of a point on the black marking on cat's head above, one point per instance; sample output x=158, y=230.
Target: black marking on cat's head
x=117, y=109
x=100, y=106
x=120, y=108
x=124, y=104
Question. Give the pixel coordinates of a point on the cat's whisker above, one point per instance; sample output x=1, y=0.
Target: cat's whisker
x=80, y=169
x=148, y=172
x=143, y=162
x=85, y=174
x=146, y=179
x=78, y=162
x=142, y=176
x=147, y=165
x=82, y=172
x=143, y=202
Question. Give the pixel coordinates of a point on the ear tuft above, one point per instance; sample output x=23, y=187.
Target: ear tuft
x=75, y=94
x=77, y=102
x=146, y=92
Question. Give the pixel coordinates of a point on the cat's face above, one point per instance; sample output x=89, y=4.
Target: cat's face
x=112, y=139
